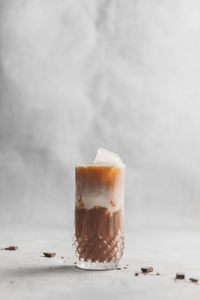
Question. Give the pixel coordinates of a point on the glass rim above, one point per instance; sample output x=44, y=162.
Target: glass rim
x=121, y=166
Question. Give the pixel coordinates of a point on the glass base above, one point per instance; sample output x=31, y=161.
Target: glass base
x=96, y=265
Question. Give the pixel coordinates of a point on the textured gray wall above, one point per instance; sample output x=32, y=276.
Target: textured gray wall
x=76, y=75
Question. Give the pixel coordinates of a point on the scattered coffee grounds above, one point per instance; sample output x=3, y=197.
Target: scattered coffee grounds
x=180, y=276
x=195, y=280
x=10, y=248
x=136, y=274
x=49, y=254
x=147, y=270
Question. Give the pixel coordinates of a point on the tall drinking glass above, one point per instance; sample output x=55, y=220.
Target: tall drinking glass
x=99, y=207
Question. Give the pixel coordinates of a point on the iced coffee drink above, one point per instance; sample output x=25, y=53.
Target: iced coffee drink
x=99, y=203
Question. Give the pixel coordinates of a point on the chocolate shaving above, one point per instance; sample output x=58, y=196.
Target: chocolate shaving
x=10, y=248
x=195, y=280
x=49, y=254
x=147, y=270
x=112, y=203
x=81, y=203
x=180, y=276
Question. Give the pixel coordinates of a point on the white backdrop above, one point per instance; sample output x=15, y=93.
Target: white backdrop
x=76, y=75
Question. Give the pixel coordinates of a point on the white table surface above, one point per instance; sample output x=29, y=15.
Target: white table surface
x=25, y=274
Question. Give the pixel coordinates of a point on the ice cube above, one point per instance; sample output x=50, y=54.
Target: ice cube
x=107, y=157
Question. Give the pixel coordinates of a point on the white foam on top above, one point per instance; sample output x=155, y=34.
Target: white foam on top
x=107, y=157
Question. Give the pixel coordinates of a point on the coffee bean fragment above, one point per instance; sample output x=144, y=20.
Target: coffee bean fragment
x=195, y=280
x=180, y=276
x=136, y=274
x=147, y=270
x=49, y=254
x=10, y=248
